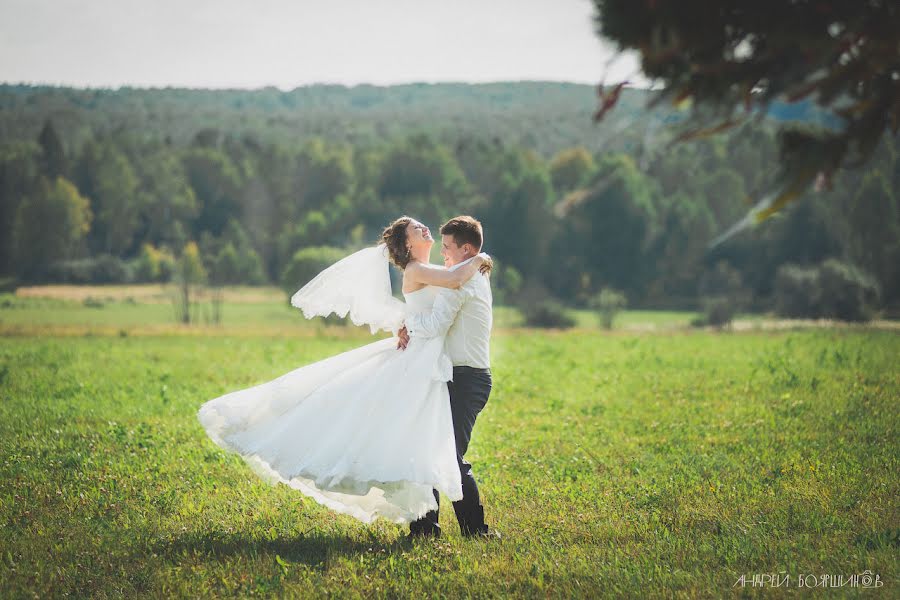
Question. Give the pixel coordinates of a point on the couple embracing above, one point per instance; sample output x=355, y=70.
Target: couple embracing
x=381, y=430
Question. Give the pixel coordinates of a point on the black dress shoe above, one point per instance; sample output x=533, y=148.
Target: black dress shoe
x=483, y=534
x=420, y=534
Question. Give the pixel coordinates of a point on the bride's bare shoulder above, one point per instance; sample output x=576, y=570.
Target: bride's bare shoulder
x=411, y=280
x=421, y=272
x=415, y=266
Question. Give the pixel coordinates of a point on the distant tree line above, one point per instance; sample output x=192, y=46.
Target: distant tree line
x=230, y=208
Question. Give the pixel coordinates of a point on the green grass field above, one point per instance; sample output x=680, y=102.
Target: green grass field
x=625, y=464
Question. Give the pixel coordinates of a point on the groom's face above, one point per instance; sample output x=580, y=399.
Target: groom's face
x=452, y=253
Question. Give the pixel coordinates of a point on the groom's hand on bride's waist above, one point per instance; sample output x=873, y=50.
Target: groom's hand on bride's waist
x=403, y=338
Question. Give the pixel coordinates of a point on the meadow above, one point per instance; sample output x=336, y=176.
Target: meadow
x=149, y=309
x=653, y=460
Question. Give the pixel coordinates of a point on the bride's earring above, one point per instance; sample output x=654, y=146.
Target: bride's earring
x=408, y=251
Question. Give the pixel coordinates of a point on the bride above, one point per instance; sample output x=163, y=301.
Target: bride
x=368, y=432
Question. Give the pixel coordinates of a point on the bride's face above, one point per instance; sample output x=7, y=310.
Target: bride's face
x=418, y=235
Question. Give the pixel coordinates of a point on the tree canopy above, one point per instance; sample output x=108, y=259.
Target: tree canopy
x=828, y=70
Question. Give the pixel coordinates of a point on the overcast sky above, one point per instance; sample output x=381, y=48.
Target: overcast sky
x=288, y=43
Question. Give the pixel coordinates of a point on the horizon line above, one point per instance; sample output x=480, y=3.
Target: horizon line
x=176, y=87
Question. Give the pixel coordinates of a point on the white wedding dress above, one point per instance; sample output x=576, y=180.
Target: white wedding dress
x=368, y=432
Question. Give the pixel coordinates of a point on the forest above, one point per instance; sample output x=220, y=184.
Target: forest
x=267, y=187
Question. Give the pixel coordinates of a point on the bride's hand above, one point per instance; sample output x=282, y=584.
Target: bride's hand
x=485, y=263
x=402, y=338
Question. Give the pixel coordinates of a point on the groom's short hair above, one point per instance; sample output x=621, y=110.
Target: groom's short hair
x=465, y=230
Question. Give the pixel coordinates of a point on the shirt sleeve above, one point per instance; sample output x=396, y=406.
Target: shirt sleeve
x=438, y=320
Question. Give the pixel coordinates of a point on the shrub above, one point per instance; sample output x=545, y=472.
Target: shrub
x=166, y=264
x=70, y=271
x=832, y=289
x=723, y=295
x=92, y=302
x=608, y=303
x=100, y=269
x=306, y=264
x=111, y=269
x=547, y=313
x=718, y=311
x=540, y=308
x=848, y=292
x=153, y=264
x=146, y=265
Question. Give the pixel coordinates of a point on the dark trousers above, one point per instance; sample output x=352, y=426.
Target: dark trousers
x=469, y=392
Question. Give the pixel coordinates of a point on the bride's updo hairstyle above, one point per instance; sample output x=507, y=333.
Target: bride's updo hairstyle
x=394, y=237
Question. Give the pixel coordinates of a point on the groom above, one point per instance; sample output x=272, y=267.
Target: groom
x=465, y=315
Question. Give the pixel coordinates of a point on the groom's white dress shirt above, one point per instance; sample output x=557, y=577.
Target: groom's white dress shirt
x=465, y=315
